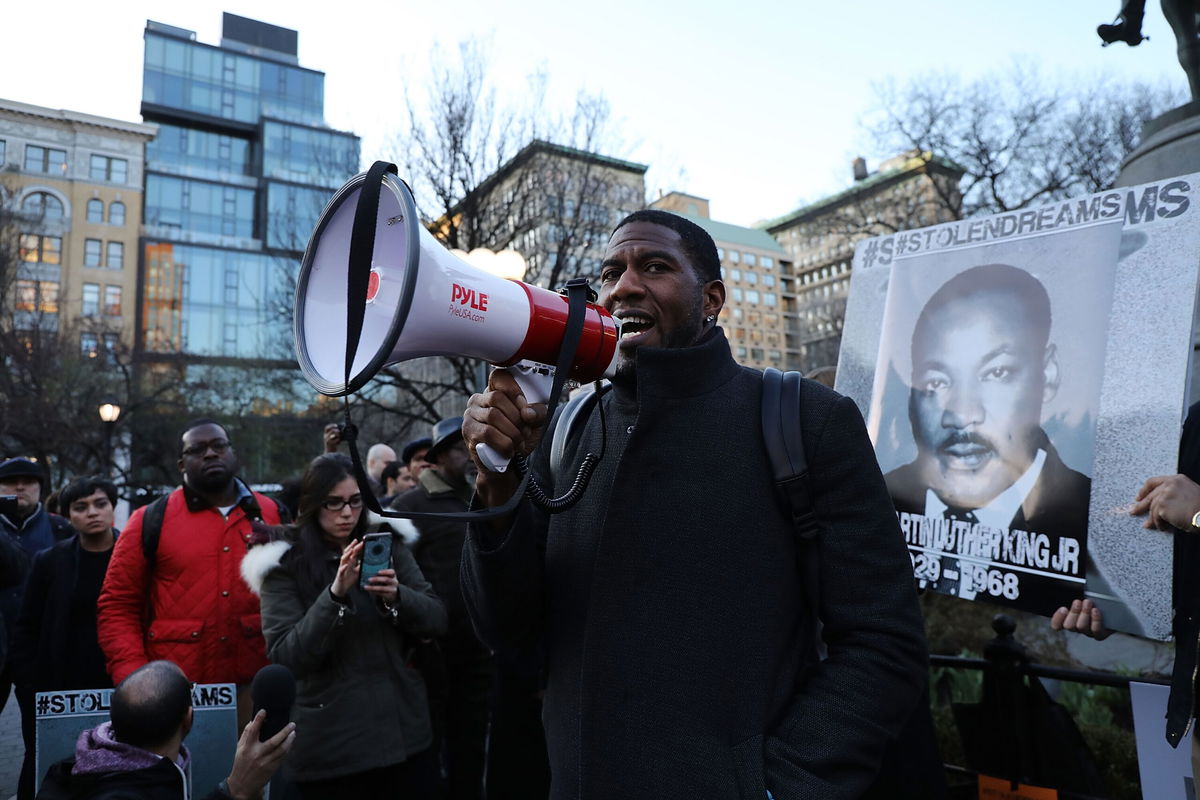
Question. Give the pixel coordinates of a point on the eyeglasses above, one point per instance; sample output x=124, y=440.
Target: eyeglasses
x=218, y=446
x=337, y=503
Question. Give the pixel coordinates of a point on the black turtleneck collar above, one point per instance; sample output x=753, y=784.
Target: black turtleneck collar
x=676, y=372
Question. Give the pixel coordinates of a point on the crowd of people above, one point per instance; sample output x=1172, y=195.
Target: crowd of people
x=213, y=581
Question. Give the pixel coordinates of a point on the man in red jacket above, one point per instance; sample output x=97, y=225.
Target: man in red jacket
x=184, y=600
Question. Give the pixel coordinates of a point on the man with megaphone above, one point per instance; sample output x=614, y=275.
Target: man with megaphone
x=671, y=599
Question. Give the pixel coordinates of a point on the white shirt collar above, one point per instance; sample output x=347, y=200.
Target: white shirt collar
x=1000, y=512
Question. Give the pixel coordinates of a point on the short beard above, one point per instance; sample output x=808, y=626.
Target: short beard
x=210, y=485
x=685, y=335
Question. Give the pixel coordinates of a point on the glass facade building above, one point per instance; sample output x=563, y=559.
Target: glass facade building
x=241, y=168
x=235, y=180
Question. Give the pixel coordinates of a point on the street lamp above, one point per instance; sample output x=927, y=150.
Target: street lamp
x=110, y=412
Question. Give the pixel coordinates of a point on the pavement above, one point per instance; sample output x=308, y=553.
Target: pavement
x=12, y=749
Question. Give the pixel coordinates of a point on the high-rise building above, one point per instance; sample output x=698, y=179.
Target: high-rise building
x=752, y=266
x=555, y=205
x=242, y=166
x=71, y=184
x=909, y=191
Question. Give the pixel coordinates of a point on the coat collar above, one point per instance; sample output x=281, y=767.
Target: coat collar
x=679, y=372
x=434, y=485
x=246, y=500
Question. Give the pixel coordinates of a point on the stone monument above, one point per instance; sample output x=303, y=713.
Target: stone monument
x=1170, y=143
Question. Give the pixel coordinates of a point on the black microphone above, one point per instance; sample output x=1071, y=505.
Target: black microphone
x=273, y=690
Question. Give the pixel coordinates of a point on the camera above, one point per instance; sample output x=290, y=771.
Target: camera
x=376, y=555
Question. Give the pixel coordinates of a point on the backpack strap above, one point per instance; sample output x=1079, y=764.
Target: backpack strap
x=574, y=413
x=789, y=468
x=785, y=447
x=152, y=523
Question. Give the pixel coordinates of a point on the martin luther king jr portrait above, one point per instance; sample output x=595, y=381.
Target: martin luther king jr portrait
x=983, y=366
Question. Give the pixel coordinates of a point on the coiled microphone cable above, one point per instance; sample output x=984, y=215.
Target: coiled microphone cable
x=556, y=505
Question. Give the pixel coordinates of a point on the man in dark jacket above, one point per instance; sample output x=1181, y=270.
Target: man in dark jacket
x=460, y=690
x=25, y=531
x=140, y=751
x=671, y=604
x=55, y=645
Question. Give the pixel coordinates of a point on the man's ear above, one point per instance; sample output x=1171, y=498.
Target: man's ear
x=1050, y=374
x=188, y=719
x=714, y=297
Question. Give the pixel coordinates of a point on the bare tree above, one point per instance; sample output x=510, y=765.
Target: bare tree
x=499, y=176
x=1019, y=140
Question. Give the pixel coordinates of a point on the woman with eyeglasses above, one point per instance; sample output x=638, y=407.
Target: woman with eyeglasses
x=362, y=718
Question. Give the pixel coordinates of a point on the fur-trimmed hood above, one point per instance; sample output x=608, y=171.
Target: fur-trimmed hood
x=261, y=559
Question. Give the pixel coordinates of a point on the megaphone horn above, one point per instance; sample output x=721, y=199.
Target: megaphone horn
x=421, y=300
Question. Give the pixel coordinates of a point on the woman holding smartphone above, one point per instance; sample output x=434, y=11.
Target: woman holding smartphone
x=361, y=714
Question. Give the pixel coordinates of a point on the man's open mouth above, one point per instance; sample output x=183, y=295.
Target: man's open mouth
x=633, y=325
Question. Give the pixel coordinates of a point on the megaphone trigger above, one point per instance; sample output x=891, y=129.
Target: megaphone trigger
x=536, y=381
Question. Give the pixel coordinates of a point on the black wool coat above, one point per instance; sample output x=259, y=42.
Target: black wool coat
x=40, y=640
x=671, y=605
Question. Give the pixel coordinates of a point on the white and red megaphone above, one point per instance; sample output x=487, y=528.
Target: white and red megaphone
x=422, y=300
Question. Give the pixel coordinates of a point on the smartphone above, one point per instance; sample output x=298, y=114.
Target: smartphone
x=376, y=556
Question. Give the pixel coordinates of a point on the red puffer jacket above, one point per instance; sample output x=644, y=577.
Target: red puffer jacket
x=192, y=607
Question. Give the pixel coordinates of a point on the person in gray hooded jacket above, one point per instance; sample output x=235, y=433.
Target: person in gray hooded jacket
x=361, y=712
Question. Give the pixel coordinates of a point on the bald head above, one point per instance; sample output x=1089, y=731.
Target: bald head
x=377, y=458
x=150, y=706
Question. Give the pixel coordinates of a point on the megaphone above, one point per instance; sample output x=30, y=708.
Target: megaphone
x=422, y=300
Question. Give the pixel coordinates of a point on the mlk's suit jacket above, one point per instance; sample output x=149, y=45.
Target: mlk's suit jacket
x=1056, y=506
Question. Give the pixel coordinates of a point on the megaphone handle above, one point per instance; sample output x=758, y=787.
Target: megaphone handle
x=536, y=382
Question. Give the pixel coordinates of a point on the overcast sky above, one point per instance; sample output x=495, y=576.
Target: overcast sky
x=754, y=104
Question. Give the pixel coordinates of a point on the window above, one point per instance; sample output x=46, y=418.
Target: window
x=766, y=261
x=737, y=294
x=735, y=256
x=741, y=352
x=91, y=299
x=91, y=252
x=752, y=296
x=43, y=206
x=750, y=260
x=37, y=296
x=89, y=345
x=112, y=301
x=95, y=210
x=769, y=298
x=756, y=353
x=45, y=159
x=112, y=342
x=751, y=277
x=36, y=248
x=109, y=170
x=3, y=152
x=116, y=213
x=768, y=280
x=116, y=255
x=736, y=274
x=721, y=253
